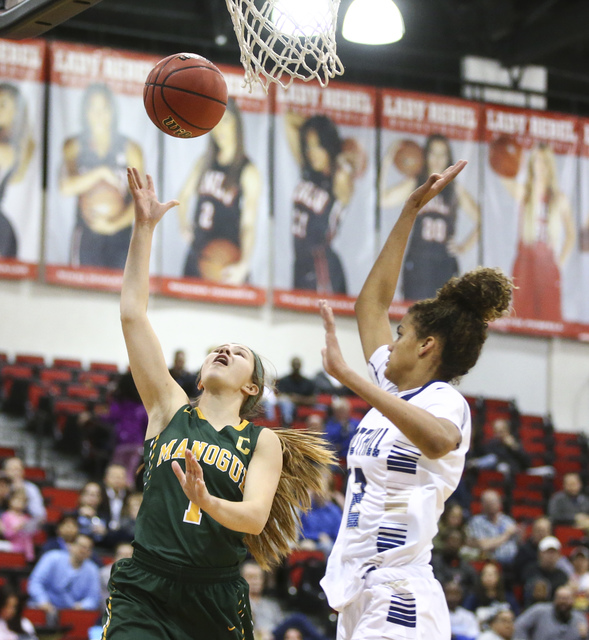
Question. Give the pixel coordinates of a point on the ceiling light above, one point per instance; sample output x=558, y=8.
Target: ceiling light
x=373, y=22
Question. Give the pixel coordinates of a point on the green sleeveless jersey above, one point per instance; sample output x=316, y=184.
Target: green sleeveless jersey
x=169, y=525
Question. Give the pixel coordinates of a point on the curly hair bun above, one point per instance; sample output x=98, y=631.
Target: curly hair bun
x=484, y=291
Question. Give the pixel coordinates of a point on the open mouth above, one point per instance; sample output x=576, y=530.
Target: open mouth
x=222, y=359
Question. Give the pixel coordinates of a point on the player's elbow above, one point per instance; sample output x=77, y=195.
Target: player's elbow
x=439, y=448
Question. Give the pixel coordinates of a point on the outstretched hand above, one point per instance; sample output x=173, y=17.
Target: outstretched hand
x=192, y=482
x=333, y=360
x=433, y=185
x=148, y=209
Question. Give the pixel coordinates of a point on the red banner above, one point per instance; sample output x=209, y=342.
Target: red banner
x=97, y=128
x=22, y=112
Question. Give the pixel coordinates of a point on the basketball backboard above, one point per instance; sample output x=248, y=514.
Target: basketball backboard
x=21, y=19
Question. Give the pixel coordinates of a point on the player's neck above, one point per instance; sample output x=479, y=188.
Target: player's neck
x=221, y=409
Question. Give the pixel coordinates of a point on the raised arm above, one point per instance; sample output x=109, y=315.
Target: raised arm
x=162, y=396
x=433, y=436
x=372, y=305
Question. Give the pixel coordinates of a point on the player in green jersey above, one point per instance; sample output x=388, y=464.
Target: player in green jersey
x=210, y=479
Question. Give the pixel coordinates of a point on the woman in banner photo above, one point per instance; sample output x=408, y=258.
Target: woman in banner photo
x=16, y=149
x=546, y=237
x=319, y=200
x=93, y=170
x=408, y=453
x=227, y=186
x=215, y=484
x=430, y=260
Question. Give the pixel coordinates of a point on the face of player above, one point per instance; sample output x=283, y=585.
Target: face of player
x=437, y=157
x=317, y=156
x=403, y=351
x=7, y=109
x=100, y=114
x=230, y=365
x=224, y=133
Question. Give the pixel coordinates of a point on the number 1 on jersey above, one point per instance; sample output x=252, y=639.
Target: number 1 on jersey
x=193, y=514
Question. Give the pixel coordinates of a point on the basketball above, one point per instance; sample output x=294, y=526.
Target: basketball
x=185, y=95
x=353, y=153
x=409, y=158
x=505, y=154
x=217, y=255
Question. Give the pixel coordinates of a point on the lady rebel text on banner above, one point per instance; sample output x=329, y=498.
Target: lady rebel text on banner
x=97, y=128
x=22, y=111
x=583, y=225
x=324, y=194
x=215, y=244
x=529, y=227
x=424, y=134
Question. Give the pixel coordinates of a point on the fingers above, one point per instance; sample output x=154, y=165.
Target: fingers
x=170, y=204
x=177, y=469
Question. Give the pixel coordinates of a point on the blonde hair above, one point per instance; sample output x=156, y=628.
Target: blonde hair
x=305, y=458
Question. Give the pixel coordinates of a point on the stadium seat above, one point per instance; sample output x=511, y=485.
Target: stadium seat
x=79, y=622
x=65, y=499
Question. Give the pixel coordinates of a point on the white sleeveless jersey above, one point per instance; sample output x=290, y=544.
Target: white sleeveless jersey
x=395, y=494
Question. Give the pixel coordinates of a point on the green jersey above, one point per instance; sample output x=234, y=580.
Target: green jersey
x=169, y=525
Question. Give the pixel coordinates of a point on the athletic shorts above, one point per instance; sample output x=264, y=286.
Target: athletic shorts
x=155, y=600
x=397, y=604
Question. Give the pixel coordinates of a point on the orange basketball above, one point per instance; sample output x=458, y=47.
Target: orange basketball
x=217, y=255
x=505, y=154
x=354, y=153
x=185, y=95
x=409, y=158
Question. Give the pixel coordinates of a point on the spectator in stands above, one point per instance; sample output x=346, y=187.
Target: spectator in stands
x=545, y=568
x=507, y=453
x=294, y=390
x=527, y=553
x=13, y=626
x=128, y=416
x=493, y=532
x=500, y=625
x=490, y=592
x=297, y=627
x=266, y=612
x=326, y=384
x=116, y=489
x=90, y=522
x=319, y=526
x=448, y=564
x=552, y=620
x=5, y=489
x=570, y=506
x=314, y=422
x=66, y=579
x=15, y=469
x=452, y=518
x=579, y=580
x=18, y=527
x=66, y=531
x=341, y=427
x=182, y=376
x=126, y=530
x=122, y=550
x=463, y=622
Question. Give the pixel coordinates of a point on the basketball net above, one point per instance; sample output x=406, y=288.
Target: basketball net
x=279, y=42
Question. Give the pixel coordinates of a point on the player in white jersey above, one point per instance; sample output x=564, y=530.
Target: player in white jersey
x=408, y=453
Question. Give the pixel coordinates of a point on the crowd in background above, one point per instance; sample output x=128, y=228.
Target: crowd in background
x=504, y=579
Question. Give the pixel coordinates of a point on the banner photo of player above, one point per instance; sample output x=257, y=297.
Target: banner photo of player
x=424, y=134
x=22, y=114
x=215, y=243
x=531, y=171
x=324, y=194
x=97, y=128
x=583, y=225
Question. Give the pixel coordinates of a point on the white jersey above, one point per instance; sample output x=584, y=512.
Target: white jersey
x=395, y=494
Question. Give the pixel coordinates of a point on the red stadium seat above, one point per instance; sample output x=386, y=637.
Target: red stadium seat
x=12, y=560
x=79, y=622
x=526, y=512
x=37, y=616
x=66, y=363
x=104, y=366
x=65, y=499
x=569, y=536
x=97, y=378
x=24, y=358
